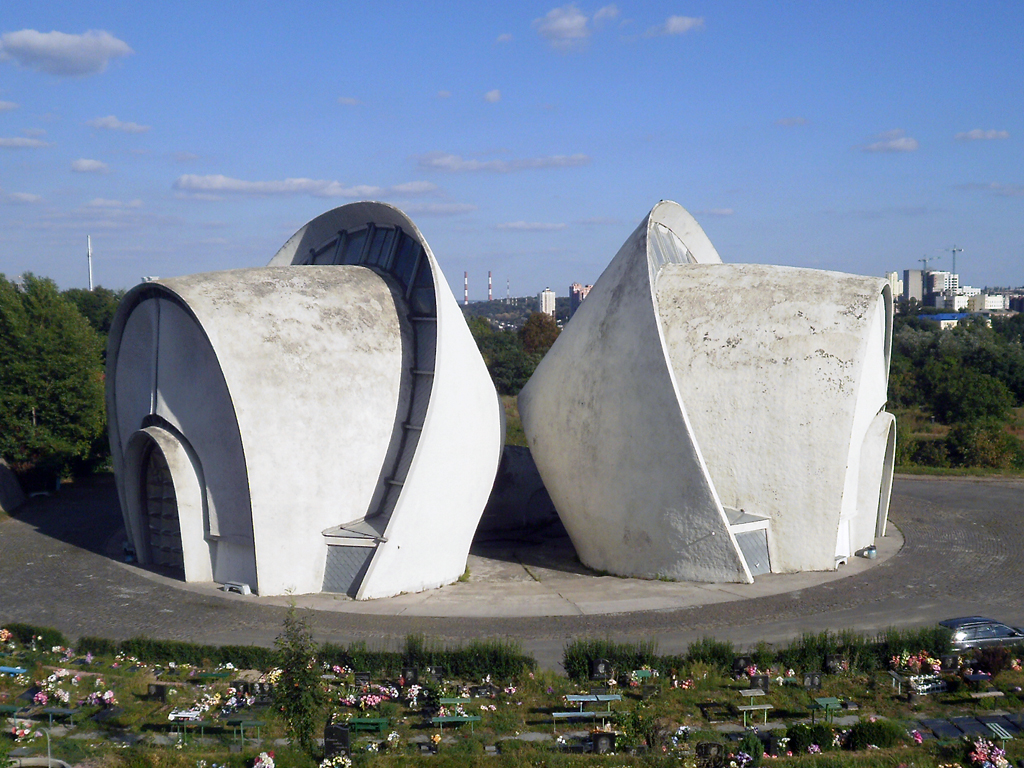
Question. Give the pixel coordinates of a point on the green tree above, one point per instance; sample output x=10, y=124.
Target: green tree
x=538, y=333
x=51, y=377
x=97, y=306
x=298, y=693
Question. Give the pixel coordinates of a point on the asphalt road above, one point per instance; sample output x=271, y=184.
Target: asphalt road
x=962, y=555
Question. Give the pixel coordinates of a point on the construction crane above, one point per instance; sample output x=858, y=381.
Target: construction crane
x=954, y=250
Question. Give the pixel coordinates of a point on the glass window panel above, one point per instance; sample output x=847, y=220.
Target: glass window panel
x=354, y=247
x=376, y=248
x=405, y=260
x=386, y=248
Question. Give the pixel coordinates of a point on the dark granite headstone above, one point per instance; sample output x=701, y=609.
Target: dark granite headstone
x=602, y=742
x=950, y=662
x=243, y=687
x=834, y=663
x=411, y=675
x=740, y=664
x=157, y=692
x=107, y=714
x=29, y=695
x=336, y=740
x=760, y=682
x=710, y=754
x=600, y=669
x=362, y=678
x=772, y=747
x=812, y=680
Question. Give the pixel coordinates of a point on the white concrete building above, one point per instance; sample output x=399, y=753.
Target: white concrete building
x=987, y=302
x=324, y=423
x=546, y=301
x=709, y=422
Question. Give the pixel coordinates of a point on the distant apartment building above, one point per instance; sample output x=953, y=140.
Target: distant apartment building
x=940, y=282
x=577, y=293
x=895, y=283
x=546, y=300
x=914, y=285
x=987, y=302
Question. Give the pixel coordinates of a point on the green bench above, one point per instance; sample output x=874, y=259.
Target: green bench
x=448, y=702
x=369, y=724
x=455, y=720
x=240, y=724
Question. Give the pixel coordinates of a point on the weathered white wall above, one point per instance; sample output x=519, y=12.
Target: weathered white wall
x=779, y=368
x=611, y=436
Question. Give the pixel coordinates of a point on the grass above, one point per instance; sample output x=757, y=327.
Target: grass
x=514, y=434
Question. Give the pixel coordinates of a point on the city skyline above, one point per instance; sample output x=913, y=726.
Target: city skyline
x=522, y=140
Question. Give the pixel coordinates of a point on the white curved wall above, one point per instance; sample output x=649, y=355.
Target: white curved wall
x=612, y=441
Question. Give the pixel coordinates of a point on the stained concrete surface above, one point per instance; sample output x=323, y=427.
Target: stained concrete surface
x=60, y=567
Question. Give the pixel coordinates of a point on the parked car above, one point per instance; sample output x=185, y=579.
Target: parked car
x=979, y=632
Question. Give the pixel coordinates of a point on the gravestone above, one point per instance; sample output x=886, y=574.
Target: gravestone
x=740, y=664
x=598, y=690
x=600, y=669
x=157, y=692
x=336, y=740
x=710, y=754
x=411, y=675
x=433, y=674
x=834, y=663
x=950, y=662
x=812, y=680
x=773, y=747
x=362, y=678
x=602, y=742
x=243, y=687
x=760, y=681
x=264, y=693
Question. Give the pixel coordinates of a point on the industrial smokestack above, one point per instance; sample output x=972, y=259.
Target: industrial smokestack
x=489, y=296
x=88, y=245
x=465, y=293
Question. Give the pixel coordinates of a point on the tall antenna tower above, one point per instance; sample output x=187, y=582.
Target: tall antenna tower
x=507, y=293
x=88, y=243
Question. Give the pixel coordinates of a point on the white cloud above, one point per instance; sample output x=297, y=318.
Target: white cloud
x=608, y=12
x=444, y=94
x=716, y=212
x=89, y=166
x=20, y=198
x=57, y=53
x=492, y=96
x=979, y=135
x=34, y=132
x=564, y=28
x=892, y=141
x=19, y=142
x=504, y=38
x=442, y=161
x=213, y=187
x=414, y=188
x=789, y=122
x=185, y=157
x=530, y=226
x=348, y=101
x=6, y=106
x=111, y=123
x=676, y=25
x=99, y=202
x=438, y=209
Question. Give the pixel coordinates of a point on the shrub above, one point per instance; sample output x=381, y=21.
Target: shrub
x=879, y=733
x=993, y=659
x=97, y=646
x=711, y=651
x=624, y=657
x=754, y=747
x=26, y=633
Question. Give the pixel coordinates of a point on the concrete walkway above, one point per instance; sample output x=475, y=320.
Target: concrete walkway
x=960, y=555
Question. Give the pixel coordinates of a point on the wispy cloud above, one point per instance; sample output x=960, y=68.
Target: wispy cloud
x=530, y=226
x=111, y=123
x=99, y=202
x=789, y=122
x=598, y=221
x=214, y=186
x=607, y=13
x=1001, y=190
x=438, y=209
x=715, y=212
x=21, y=142
x=19, y=198
x=89, y=166
x=565, y=28
x=492, y=97
x=7, y=106
x=444, y=94
x=504, y=38
x=676, y=25
x=979, y=135
x=892, y=141
x=34, y=132
x=57, y=53
x=442, y=161
x=348, y=101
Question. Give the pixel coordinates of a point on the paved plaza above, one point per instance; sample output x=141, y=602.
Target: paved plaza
x=953, y=549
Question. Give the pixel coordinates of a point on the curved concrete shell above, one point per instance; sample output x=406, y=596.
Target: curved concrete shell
x=710, y=422
x=325, y=423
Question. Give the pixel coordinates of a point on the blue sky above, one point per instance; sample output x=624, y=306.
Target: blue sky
x=527, y=138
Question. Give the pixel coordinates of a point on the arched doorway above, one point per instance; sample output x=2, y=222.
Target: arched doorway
x=160, y=512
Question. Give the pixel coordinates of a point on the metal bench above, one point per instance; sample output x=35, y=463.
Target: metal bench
x=999, y=732
x=746, y=709
x=369, y=724
x=455, y=720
